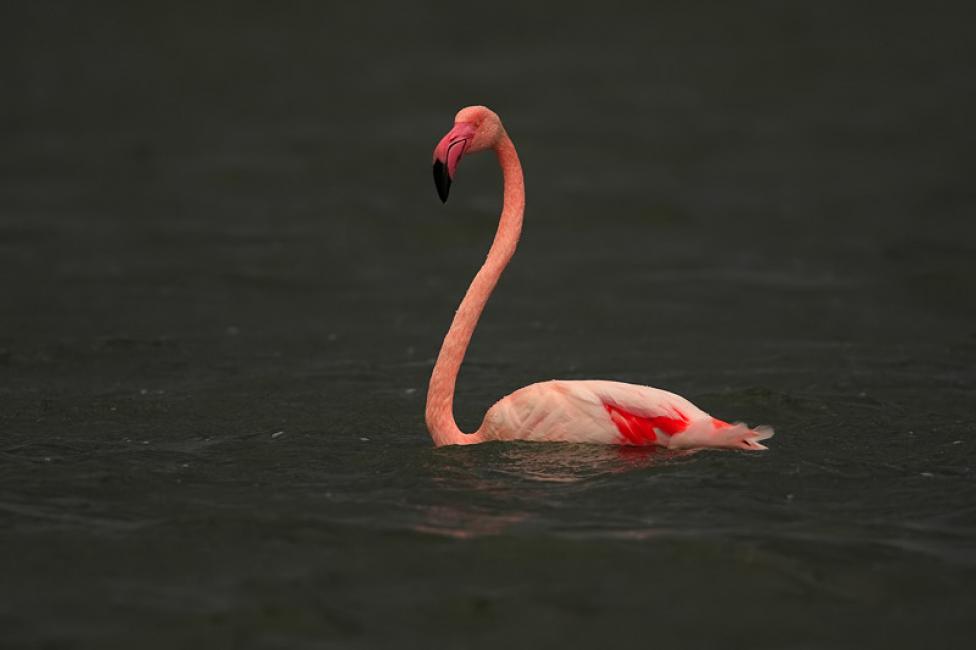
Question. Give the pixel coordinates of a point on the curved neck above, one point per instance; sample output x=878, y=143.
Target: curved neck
x=440, y=396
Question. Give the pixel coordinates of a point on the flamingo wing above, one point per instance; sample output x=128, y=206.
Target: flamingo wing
x=644, y=415
x=641, y=415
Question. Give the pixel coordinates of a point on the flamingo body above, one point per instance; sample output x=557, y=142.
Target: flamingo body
x=588, y=411
x=610, y=412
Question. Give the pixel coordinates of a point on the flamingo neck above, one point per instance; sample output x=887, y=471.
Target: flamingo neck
x=440, y=395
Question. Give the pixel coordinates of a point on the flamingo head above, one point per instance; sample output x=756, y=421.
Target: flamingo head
x=476, y=128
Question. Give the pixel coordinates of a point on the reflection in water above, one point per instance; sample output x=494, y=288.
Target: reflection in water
x=574, y=463
x=466, y=523
x=490, y=479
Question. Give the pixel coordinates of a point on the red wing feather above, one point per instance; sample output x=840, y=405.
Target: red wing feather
x=641, y=430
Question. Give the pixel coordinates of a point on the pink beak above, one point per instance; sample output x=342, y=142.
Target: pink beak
x=448, y=153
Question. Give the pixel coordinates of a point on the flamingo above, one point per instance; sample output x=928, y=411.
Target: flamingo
x=578, y=411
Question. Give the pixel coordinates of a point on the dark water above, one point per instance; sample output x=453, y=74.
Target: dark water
x=225, y=273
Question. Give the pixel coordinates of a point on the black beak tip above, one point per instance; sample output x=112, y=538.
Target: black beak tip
x=442, y=180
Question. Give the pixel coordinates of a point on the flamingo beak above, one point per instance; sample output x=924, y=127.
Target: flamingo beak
x=448, y=153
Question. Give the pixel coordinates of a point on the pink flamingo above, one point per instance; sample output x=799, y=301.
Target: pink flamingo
x=586, y=411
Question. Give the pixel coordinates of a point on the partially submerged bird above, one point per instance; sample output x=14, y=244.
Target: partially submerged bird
x=586, y=411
